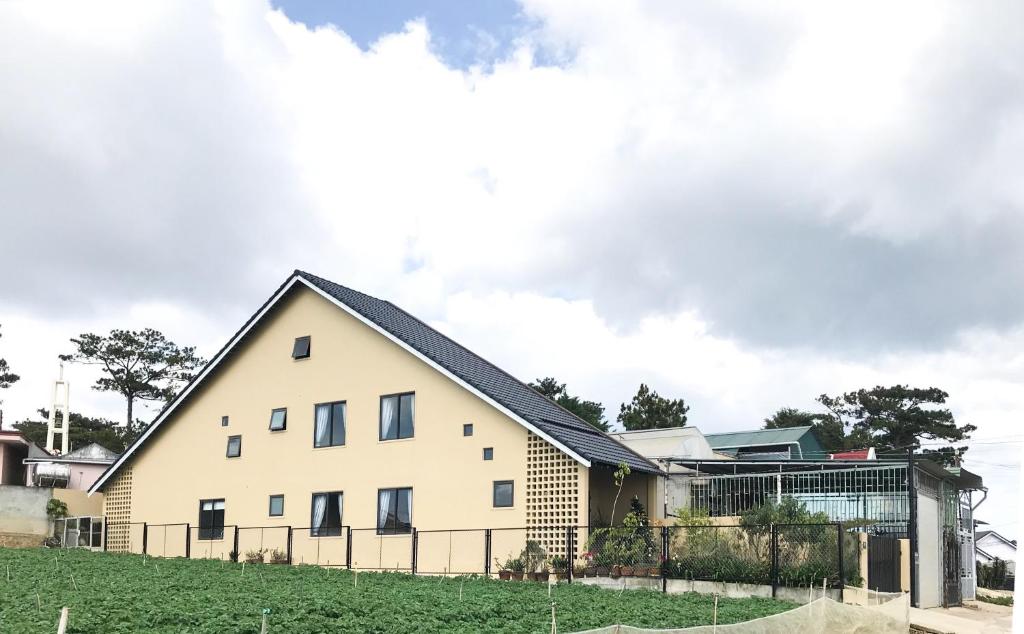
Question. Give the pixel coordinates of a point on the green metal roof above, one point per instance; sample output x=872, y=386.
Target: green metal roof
x=757, y=437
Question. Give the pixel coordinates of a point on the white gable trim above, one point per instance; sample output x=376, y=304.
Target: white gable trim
x=259, y=316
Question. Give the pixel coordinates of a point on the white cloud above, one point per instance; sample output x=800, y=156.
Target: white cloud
x=744, y=206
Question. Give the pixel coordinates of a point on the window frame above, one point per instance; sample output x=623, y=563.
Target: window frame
x=284, y=423
x=467, y=427
x=314, y=531
x=494, y=494
x=213, y=536
x=488, y=453
x=227, y=451
x=295, y=347
x=270, y=505
x=330, y=425
x=384, y=530
x=380, y=417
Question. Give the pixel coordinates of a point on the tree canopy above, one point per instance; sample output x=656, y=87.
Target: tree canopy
x=590, y=411
x=138, y=364
x=898, y=418
x=7, y=378
x=83, y=431
x=648, y=410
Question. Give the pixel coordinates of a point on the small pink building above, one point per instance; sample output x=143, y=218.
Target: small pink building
x=77, y=469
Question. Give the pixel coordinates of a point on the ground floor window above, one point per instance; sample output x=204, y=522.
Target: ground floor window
x=394, y=511
x=211, y=519
x=325, y=514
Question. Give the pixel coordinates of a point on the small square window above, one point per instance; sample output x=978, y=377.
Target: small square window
x=223, y=421
x=467, y=429
x=503, y=493
x=276, y=505
x=488, y=453
x=279, y=419
x=234, y=446
x=301, y=348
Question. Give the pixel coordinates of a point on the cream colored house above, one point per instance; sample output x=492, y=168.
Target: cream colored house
x=332, y=408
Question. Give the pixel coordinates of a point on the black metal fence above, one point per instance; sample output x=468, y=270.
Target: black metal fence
x=776, y=555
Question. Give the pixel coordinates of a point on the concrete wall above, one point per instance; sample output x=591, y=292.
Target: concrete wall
x=23, y=510
x=929, y=553
x=452, y=484
x=732, y=590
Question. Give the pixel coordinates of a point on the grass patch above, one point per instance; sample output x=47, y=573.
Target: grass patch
x=988, y=598
x=117, y=593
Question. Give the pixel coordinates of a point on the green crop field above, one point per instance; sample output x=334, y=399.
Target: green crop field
x=127, y=593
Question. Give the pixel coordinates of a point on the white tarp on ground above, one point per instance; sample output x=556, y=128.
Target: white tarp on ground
x=890, y=616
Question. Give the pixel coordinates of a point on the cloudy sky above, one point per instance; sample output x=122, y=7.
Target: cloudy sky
x=740, y=206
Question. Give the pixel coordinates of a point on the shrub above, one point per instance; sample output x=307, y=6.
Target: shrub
x=255, y=556
x=278, y=556
x=56, y=509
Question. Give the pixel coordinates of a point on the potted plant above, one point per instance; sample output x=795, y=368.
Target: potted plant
x=517, y=566
x=559, y=567
x=626, y=570
x=542, y=574
x=602, y=565
x=504, y=570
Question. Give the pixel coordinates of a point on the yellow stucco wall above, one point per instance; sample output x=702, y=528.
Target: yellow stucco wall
x=602, y=495
x=79, y=502
x=452, y=484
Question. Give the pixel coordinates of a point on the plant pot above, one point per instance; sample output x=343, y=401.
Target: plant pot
x=532, y=576
x=517, y=576
x=654, y=571
x=589, y=571
x=616, y=571
x=626, y=571
x=601, y=571
x=560, y=574
x=541, y=576
x=504, y=575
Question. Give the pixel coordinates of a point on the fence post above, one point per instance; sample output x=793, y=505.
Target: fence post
x=104, y=533
x=570, y=552
x=289, y=545
x=348, y=548
x=415, y=547
x=238, y=555
x=664, y=559
x=842, y=581
x=188, y=541
x=912, y=527
x=487, y=552
x=775, y=559
x=145, y=537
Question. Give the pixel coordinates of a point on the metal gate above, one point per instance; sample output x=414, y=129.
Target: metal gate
x=883, y=563
x=950, y=568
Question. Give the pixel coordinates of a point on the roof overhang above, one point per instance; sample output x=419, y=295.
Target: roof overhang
x=294, y=280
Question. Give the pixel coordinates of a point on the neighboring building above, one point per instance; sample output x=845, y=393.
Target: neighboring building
x=855, y=454
x=14, y=448
x=769, y=444
x=330, y=408
x=664, y=446
x=990, y=546
x=78, y=469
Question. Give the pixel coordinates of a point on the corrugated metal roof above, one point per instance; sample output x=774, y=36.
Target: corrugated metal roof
x=757, y=437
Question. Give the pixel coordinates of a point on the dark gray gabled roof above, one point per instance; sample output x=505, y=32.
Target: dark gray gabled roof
x=540, y=411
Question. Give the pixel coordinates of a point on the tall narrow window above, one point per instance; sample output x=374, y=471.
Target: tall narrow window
x=211, y=519
x=396, y=416
x=301, y=348
x=503, y=493
x=394, y=511
x=223, y=421
x=279, y=419
x=325, y=514
x=234, y=446
x=329, y=424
